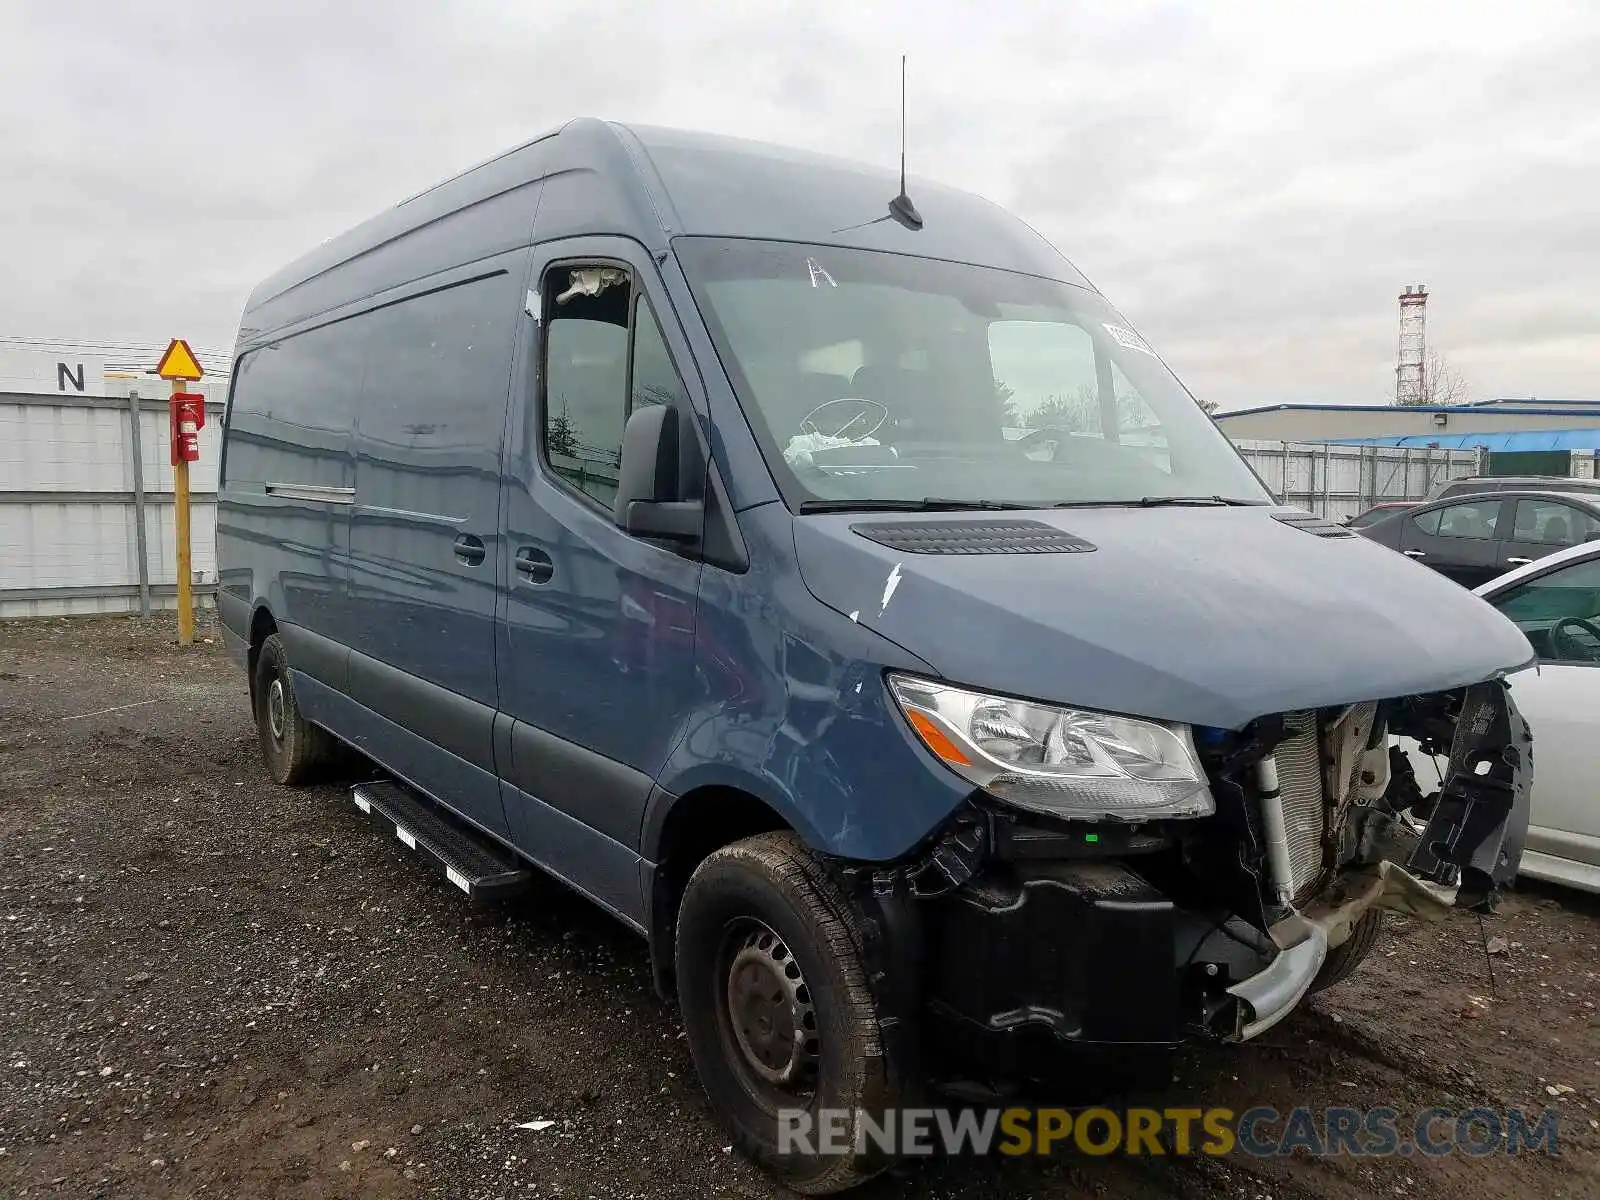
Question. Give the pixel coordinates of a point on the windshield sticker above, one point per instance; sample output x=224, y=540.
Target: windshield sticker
x=818, y=272
x=1124, y=336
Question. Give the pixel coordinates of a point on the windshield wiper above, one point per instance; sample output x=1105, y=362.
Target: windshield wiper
x=1162, y=502
x=927, y=504
x=1166, y=501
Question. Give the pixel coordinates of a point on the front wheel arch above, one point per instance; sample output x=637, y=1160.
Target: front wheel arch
x=790, y=898
x=691, y=828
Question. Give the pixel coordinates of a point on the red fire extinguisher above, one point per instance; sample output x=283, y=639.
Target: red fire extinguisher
x=188, y=418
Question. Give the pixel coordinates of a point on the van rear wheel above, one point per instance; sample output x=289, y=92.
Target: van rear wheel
x=294, y=748
x=777, y=1010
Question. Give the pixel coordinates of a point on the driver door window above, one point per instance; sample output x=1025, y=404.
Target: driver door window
x=1475, y=520
x=604, y=357
x=1559, y=612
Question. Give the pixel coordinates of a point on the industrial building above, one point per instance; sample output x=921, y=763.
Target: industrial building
x=1513, y=435
x=1414, y=425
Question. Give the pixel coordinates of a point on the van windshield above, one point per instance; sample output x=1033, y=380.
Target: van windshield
x=872, y=376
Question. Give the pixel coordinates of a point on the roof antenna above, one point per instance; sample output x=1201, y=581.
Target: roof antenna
x=901, y=208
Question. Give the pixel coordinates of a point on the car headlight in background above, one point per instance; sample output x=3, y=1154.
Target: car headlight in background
x=1068, y=762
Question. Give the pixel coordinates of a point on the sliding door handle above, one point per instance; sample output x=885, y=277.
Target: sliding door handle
x=470, y=550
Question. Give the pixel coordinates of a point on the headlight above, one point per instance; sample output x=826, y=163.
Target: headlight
x=1068, y=762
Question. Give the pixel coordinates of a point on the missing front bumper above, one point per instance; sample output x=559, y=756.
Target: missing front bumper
x=1037, y=966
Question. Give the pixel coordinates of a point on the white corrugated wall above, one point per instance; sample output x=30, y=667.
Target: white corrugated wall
x=82, y=542
x=1340, y=481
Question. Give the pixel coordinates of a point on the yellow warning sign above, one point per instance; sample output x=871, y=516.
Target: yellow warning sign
x=179, y=362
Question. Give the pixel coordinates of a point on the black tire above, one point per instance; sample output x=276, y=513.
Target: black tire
x=767, y=908
x=294, y=748
x=1346, y=957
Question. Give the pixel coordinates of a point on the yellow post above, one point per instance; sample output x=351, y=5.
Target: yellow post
x=180, y=509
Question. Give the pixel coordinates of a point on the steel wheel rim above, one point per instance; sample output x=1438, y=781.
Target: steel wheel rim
x=768, y=1020
x=277, y=710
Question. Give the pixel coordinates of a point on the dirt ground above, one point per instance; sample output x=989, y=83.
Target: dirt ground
x=212, y=986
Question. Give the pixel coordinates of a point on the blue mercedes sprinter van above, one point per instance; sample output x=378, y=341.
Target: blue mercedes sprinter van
x=828, y=582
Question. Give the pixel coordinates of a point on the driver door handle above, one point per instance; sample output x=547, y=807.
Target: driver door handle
x=1413, y=554
x=534, y=565
x=1519, y=562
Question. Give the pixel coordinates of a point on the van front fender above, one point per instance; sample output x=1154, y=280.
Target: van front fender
x=859, y=788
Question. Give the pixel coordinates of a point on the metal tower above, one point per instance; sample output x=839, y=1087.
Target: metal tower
x=1410, y=381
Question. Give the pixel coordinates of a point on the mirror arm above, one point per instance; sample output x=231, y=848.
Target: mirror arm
x=669, y=520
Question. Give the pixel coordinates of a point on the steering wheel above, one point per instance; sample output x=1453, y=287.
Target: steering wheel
x=1564, y=646
x=808, y=423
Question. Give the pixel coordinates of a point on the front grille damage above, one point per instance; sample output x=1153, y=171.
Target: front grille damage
x=1017, y=946
x=1334, y=795
x=1326, y=764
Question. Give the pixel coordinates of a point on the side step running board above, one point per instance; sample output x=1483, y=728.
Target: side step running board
x=479, y=867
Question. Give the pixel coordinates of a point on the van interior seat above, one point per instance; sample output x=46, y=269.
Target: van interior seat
x=921, y=405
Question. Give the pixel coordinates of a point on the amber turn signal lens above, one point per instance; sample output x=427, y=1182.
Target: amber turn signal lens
x=936, y=740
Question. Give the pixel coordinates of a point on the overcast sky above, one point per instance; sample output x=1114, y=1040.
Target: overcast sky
x=1251, y=183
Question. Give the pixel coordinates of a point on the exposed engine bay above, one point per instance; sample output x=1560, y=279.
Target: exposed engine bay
x=1331, y=823
x=1056, y=938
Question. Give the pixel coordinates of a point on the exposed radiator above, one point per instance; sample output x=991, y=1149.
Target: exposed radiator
x=1304, y=810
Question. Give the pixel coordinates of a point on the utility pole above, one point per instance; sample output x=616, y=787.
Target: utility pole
x=188, y=413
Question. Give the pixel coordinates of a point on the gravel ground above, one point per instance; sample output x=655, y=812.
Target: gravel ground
x=216, y=987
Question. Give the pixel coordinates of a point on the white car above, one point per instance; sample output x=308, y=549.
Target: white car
x=1555, y=600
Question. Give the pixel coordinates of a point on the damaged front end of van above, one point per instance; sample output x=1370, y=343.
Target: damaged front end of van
x=1254, y=874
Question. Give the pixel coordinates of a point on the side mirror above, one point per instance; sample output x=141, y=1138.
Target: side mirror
x=647, y=503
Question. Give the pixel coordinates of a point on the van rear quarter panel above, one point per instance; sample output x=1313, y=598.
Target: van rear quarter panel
x=302, y=369
x=290, y=423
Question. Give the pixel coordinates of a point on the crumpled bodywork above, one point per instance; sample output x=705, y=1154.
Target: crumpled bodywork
x=1029, y=919
x=1478, y=820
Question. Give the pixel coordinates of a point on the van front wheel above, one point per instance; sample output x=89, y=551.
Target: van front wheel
x=1344, y=958
x=293, y=747
x=779, y=1018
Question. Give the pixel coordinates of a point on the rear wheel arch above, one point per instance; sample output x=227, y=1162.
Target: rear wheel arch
x=294, y=749
x=262, y=626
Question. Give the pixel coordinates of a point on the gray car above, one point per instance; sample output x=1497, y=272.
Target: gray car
x=1472, y=484
x=1478, y=536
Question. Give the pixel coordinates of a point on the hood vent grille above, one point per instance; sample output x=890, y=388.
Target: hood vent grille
x=973, y=537
x=1318, y=526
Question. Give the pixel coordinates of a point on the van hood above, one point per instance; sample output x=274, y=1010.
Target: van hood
x=1209, y=616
